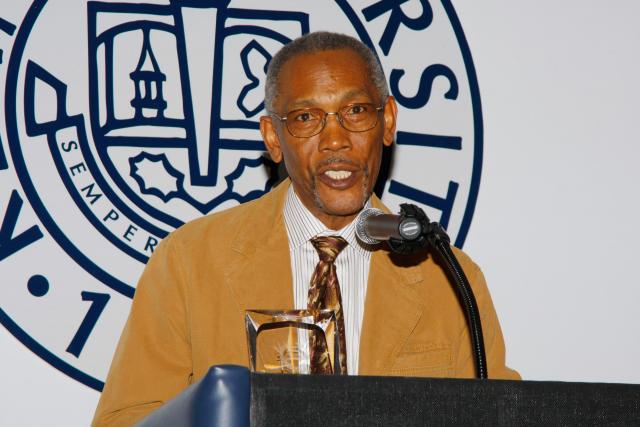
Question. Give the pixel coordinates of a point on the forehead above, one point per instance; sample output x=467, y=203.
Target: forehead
x=324, y=79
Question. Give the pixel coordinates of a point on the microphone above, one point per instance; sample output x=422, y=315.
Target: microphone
x=374, y=226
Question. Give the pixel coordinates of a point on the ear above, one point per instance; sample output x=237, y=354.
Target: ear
x=390, y=116
x=270, y=138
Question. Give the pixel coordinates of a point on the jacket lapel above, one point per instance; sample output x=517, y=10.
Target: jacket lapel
x=392, y=311
x=259, y=274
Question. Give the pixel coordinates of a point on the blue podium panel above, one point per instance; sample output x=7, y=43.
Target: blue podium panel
x=220, y=399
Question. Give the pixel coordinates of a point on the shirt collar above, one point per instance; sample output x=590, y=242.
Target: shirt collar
x=302, y=225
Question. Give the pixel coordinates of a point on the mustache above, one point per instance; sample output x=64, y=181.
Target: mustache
x=337, y=159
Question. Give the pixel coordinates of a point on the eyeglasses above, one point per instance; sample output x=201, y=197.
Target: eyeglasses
x=307, y=122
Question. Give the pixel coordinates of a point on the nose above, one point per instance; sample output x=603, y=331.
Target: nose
x=334, y=136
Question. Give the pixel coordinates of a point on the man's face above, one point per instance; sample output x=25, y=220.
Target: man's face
x=333, y=172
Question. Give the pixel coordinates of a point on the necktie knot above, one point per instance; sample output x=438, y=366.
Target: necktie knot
x=328, y=247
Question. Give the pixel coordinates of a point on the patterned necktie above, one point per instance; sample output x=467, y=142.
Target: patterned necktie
x=324, y=293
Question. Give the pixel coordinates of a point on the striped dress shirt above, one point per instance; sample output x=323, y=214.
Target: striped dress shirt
x=352, y=268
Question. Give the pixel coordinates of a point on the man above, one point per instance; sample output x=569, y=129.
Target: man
x=329, y=117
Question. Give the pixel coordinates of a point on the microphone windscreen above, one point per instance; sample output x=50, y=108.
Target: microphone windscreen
x=361, y=222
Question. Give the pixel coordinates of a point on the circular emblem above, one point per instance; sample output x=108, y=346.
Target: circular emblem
x=134, y=118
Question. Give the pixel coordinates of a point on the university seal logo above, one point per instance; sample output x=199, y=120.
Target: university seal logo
x=123, y=120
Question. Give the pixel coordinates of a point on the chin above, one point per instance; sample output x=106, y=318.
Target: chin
x=343, y=203
x=342, y=206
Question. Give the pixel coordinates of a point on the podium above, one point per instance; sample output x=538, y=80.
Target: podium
x=231, y=396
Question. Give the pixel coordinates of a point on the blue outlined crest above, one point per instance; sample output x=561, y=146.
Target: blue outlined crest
x=134, y=118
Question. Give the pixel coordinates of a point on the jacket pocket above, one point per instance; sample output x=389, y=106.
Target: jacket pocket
x=430, y=359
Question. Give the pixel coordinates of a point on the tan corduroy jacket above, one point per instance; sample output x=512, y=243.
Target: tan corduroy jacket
x=188, y=311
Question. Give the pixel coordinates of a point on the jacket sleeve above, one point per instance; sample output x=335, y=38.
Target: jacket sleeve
x=152, y=362
x=492, y=333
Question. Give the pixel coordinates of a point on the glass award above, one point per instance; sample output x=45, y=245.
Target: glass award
x=293, y=341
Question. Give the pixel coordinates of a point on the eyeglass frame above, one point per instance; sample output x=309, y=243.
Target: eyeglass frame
x=324, y=118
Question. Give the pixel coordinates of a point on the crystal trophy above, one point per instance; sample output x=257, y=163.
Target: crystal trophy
x=280, y=342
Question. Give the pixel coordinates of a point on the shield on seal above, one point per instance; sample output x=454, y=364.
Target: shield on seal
x=157, y=98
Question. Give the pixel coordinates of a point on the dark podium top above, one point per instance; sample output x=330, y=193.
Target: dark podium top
x=230, y=396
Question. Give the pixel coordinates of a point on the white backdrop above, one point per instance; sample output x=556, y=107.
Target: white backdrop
x=559, y=84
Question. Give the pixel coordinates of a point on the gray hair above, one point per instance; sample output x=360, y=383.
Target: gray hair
x=318, y=42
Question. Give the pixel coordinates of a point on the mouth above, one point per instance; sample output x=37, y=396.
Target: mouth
x=339, y=176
